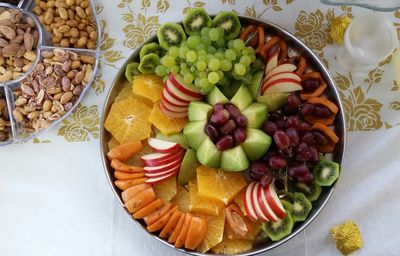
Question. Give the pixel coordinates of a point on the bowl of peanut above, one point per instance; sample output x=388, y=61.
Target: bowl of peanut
x=49, y=53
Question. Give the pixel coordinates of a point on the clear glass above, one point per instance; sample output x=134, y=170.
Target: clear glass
x=377, y=5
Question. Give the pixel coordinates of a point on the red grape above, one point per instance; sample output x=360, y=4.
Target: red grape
x=308, y=138
x=310, y=85
x=218, y=107
x=224, y=142
x=266, y=179
x=220, y=117
x=321, y=111
x=211, y=131
x=293, y=135
x=233, y=110
x=293, y=121
x=281, y=139
x=314, y=155
x=320, y=139
x=258, y=169
x=288, y=110
x=277, y=162
x=282, y=124
x=302, y=152
x=240, y=135
x=307, y=178
x=275, y=116
x=307, y=109
x=298, y=170
x=228, y=128
x=304, y=127
x=241, y=121
x=293, y=101
x=269, y=128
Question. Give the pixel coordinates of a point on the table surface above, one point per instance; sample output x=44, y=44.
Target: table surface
x=54, y=196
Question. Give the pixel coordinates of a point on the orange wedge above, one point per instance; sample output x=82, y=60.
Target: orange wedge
x=215, y=233
x=219, y=185
x=165, y=124
x=112, y=143
x=203, y=205
x=167, y=189
x=125, y=92
x=238, y=199
x=127, y=120
x=148, y=86
x=235, y=246
x=181, y=199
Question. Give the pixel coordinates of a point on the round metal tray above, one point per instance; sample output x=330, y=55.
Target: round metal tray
x=18, y=135
x=295, y=46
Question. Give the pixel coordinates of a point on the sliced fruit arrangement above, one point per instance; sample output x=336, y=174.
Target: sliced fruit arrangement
x=218, y=135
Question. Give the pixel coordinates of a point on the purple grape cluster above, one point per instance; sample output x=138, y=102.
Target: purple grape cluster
x=227, y=126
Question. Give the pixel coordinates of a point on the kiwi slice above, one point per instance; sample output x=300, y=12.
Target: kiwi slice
x=279, y=229
x=287, y=205
x=312, y=191
x=170, y=34
x=326, y=172
x=195, y=20
x=229, y=21
x=148, y=63
x=131, y=70
x=301, y=207
x=150, y=48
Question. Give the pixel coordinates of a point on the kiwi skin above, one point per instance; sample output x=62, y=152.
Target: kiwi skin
x=131, y=70
x=148, y=63
x=312, y=191
x=164, y=37
x=301, y=207
x=150, y=48
x=279, y=229
x=229, y=21
x=194, y=15
x=326, y=172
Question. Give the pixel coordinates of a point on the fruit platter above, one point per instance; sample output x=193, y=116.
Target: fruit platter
x=222, y=134
x=49, y=53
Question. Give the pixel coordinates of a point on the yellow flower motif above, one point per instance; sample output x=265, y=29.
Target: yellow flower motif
x=313, y=29
x=338, y=28
x=84, y=121
x=139, y=30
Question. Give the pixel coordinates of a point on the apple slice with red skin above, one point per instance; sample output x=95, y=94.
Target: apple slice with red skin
x=262, y=200
x=163, y=146
x=162, y=168
x=167, y=88
x=157, y=159
x=283, y=87
x=158, y=174
x=172, y=114
x=247, y=201
x=178, y=94
x=174, y=108
x=180, y=85
x=283, y=68
x=158, y=179
x=282, y=77
x=165, y=96
x=272, y=62
x=260, y=214
x=274, y=202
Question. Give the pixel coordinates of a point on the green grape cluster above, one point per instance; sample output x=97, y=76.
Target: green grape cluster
x=208, y=60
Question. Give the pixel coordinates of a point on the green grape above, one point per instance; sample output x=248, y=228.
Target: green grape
x=220, y=55
x=213, y=77
x=224, y=81
x=202, y=74
x=226, y=65
x=197, y=82
x=168, y=61
x=211, y=49
x=220, y=74
x=183, y=66
x=188, y=78
x=185, y=71
x=220, y=43
x=161, y=70
x=202, y=52
x=230, y=44
x=240, y=69
x=192, y=69
x=202, y=57
x=205, y=84
x=182, y=52
x=238, y=45
x=214, y=64
x=221, y=32
x=250, y=50
x=174, y=69
x=201, y=65
x=193, y=41
x=173, y=51
x=214, y=34
x=200, y=47
x=206, y=40
x=204, y=31
x=191, y=56
x=245, y=60
x=230, y=54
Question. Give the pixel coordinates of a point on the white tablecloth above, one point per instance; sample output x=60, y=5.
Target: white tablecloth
x=55, y=200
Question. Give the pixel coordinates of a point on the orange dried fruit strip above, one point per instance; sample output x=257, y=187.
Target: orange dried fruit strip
x=141, y=200
x=125, y=184
x=125, y=151
x=134, y=190
x=148, y=209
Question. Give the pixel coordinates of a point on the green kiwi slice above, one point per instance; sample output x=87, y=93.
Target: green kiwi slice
x=279, y=229
x=131, y=70
x=150, y=48
x=170, y=34
x=312, y=191
x=229, y=21
x=195, y=19
x=287, y=205
x=301, y=207
x=326, y=172
x=148, y=63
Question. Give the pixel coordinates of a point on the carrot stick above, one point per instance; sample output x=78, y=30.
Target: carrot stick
x=126, y=176
x=125, y=151
x=246, y=32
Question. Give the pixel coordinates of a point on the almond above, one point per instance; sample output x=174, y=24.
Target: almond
x=8, y=32
x=28, y=41
x=10, y=50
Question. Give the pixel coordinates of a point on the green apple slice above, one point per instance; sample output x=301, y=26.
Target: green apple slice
x=256, y=144
x=198, y=111
x=234, y=160
x=194, y=133
x=255, y=85
x=256, y=114
x=208, y=154
x=273, y=101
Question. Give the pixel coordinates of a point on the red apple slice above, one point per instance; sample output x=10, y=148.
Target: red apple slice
x=167, y=88
x=162, y=168
x=274, y=202
x=183, y=87
x=283, y=68
x=283, y=87
x=282, y=77
x=174, y=108
x=172, y=114
x=157, y=159
x=260, y=214
x=165, y=96
x=272, y=62
x=163, y=146
x=177, y=94
x=262, y=200
x=158, y=179
x=163, y=173
x=248, y=205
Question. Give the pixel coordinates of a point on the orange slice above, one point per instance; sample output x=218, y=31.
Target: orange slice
x=148, y=86
x=215, y=233
x=181, y=199
x=219, y=185
x=125, y=92
x=112, y=143
x=238, y=199
x=166, y=124
x=167, y=189
x=230, y=246
x=127, y=120
x=203, y=205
